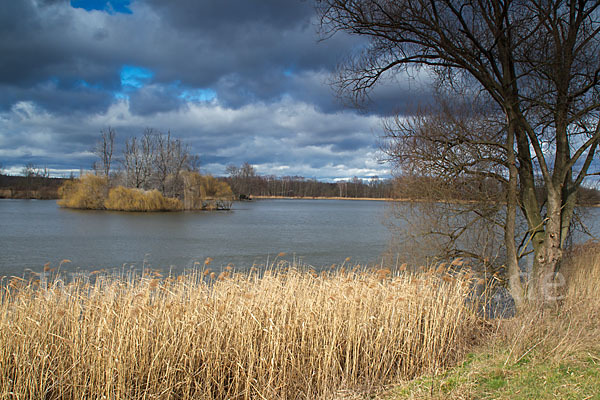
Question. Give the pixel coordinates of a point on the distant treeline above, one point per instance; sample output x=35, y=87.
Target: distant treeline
x=245, y=182
x=298, y=186
x=29, y=187
x=165, y=169
x=408, y=188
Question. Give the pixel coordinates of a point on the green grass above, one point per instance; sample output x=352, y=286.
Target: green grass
x=487, y=375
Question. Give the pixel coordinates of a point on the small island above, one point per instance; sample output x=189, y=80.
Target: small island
x=157, y=173
x=92, y=192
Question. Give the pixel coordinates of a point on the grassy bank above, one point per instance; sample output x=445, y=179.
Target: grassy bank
x=282, y=334
x=486, y=375
x=552, y=354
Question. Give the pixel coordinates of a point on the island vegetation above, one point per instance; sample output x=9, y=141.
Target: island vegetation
x=158, y=174
x=92, y=192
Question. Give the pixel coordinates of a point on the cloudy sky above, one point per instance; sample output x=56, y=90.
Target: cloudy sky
x=239, y=80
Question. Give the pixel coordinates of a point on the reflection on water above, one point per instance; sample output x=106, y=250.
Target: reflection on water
x=320, y=232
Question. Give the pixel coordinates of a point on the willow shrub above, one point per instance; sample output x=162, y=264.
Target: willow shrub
x=124, y=199
x=87, y=192
x=205, y=192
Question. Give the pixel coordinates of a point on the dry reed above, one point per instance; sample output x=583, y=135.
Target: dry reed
x=570, y=325
x=87, y=192
x=282, y=333
x=128, y=199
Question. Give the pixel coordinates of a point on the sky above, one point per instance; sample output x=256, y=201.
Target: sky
x=238, y=80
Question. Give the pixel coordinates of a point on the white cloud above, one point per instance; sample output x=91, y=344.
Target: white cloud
x=285, y=137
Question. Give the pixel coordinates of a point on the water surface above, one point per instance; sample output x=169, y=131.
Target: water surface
x=319, y=232
x=316, y=232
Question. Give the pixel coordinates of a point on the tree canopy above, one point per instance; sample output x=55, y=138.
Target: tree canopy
x=534, y=63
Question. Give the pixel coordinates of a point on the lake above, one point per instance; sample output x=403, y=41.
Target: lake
x=317, y=232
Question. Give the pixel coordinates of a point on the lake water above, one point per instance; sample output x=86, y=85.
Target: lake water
x=318, y=232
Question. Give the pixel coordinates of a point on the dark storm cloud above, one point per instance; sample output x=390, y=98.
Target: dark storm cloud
x=50, y=42
x=239, y=80
x=221, y=15
x=201, y=44
x=152, y=99
x=56, y=97
x=249, y=50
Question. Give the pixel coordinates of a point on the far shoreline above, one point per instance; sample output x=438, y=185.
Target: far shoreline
x=390, y=199
x=323, y=198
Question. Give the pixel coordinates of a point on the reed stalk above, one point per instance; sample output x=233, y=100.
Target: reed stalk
x=281, y=333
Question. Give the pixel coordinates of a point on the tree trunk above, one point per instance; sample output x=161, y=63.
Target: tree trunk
x=512, y=262
x=548, y=254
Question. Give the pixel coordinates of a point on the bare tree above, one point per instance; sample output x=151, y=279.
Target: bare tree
x=138, y=158
x=29, y=170
x=156, y=160
x=243, y=179
x=453, y=157
x=537, y=60
x=234, y=178
x=193, y=163
x=170, y=160
x=104, y=151
x=33, y=171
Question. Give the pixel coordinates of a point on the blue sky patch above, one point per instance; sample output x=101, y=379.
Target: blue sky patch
x=198, y=95
x=82, y=84
x=133, y=77
x=288, y=71
x=121, y=96
x=111, y=6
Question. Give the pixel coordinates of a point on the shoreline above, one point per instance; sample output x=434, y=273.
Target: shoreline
x=391, y=199
x=324, y=198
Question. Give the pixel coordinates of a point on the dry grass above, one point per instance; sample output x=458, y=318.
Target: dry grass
x=284, y=333
x=127, y=199
x=87, y=192
x=542, y=353
x=569, y=326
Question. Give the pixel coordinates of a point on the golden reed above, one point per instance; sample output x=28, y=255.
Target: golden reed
x=277, y=334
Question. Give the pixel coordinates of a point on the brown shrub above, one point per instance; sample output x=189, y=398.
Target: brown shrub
x=204, y=192
x=124, y=199
x=88, y=192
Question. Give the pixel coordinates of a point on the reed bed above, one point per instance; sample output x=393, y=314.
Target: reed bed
x=278, y=334
x=570, y=325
